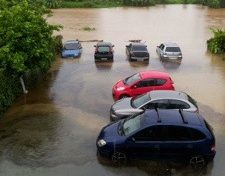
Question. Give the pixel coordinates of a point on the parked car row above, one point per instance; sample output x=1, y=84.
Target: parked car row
x=153, y=121
x=135, y=51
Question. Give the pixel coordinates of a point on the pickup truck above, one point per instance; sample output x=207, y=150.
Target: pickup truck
x=137, y=52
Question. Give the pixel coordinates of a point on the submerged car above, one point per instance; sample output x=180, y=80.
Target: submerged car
x=159, y=134
x=141, y=83
x=137, y=52
x=161, y=99
x=169, y=51
x=104, y=51
x=71, y=48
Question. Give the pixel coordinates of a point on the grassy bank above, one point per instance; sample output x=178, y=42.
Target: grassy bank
x=121, y=3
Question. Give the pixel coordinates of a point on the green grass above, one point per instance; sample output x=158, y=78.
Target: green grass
x=91, y=4
x=116, y=3
x=121, y=3
x=88, y=29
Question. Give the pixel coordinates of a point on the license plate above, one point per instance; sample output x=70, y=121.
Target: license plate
x=103, y=59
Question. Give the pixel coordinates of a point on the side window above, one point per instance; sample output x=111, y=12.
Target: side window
x=162, y=104
x=160, y=82
x=196, y=134
x=146, y=83
x=161, y=46
x=149, y=134
x=176, y=133
x=177, y=104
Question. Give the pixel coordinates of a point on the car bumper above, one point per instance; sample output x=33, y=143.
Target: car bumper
x=103, y=57
x=115, y=95
x=71, y=56
x=172, y=58
x=133, y=58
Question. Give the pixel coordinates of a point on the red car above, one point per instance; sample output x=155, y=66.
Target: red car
x=142, y=82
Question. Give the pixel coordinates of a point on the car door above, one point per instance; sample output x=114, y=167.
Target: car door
x=160, y=50
x=145, y=143
x=177, y=143
x=142, y=87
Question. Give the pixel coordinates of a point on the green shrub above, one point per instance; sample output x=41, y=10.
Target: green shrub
x=26, y=40
x=216, y=45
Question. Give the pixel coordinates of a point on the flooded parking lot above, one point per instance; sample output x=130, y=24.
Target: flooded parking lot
x=52, y=130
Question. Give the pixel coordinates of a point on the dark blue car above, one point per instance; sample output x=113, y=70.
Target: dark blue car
x=157, y=133
x=71, y=48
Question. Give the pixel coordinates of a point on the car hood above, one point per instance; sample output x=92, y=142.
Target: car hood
x=124, y=103
x=119, y=84
x=110, y=131
x=71, y=52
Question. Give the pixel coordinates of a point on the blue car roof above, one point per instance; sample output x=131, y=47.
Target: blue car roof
x=172, y=117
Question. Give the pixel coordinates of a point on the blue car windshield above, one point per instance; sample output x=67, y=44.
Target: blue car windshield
x=132, y=79
x=138, y=101
x=131, y=125
x=71, y=46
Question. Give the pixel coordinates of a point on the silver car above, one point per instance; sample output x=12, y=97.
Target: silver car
x=162, y=99
x=169, y=51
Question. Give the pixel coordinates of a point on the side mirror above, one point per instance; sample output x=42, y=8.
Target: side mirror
x=94, y=45
x=80, y=47
x=127, y=45
x=112, y=45
x=157, y=46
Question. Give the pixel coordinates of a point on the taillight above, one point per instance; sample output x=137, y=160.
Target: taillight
x=110, y=50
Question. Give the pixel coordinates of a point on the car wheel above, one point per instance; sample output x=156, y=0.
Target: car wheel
x=119, y=158
x=197, y=162
x=123, y=96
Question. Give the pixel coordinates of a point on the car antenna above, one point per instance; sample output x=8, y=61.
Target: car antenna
x=158, y=117
x=182, y=116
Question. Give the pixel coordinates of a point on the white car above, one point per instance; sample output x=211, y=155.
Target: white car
x=160, y=99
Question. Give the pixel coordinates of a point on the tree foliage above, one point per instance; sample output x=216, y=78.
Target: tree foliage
x=26, y=40
x=216, y=44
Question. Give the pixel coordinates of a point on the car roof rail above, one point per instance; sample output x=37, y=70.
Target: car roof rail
x=158, y=117
x=182, y=116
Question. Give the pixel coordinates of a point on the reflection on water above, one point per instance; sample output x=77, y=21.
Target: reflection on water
x=55, y=129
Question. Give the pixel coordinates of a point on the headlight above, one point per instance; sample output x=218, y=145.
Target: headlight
x=101, y=142
x=113, y=115
x=120, y=88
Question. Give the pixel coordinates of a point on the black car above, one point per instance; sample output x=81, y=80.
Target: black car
x=137, y=52
x=104, y=51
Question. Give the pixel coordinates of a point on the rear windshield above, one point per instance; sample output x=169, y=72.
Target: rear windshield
x=172, y=49
x=140, y=100
x=139, y=48
x=103, y=49
x=71, y=46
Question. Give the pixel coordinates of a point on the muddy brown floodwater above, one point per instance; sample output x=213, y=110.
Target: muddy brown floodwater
x=52, y=130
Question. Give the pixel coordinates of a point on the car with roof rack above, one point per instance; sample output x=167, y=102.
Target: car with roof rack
x=137, y=51
x=162, y=99
x=159, y=134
